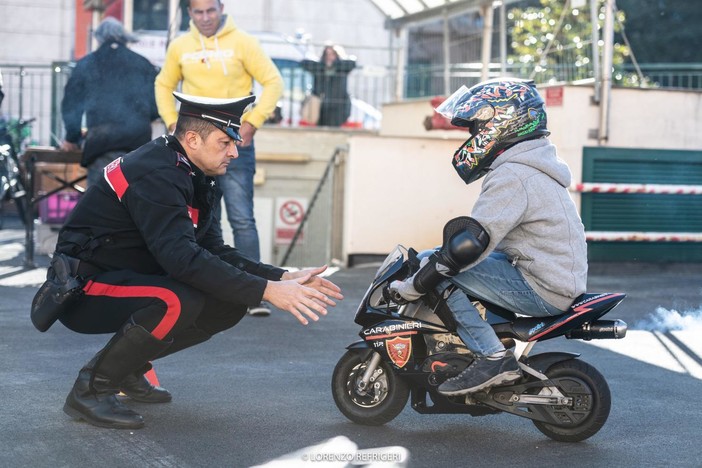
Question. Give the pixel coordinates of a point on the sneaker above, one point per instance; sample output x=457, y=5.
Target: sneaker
x=261, y=310
x=483, y=373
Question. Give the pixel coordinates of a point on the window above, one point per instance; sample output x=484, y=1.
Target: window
x=150, y=15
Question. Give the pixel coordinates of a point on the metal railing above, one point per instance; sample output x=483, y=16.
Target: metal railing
x=31, y=92
x=669, y=75
x=37, y=90
x=317, y=240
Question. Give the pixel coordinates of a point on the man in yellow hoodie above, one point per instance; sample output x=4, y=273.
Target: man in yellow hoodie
x=217, y=59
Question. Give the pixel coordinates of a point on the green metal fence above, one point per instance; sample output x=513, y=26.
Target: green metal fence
x=647, y=213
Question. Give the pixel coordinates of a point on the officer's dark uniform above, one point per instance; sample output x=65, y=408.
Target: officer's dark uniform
x=152, y=250
x=156, y=271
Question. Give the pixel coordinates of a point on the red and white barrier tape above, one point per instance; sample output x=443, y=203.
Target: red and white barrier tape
x=597, y=187
x=625, y=236
x=615, y=236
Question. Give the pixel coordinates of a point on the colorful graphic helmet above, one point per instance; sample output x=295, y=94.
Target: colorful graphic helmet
x=498, y=113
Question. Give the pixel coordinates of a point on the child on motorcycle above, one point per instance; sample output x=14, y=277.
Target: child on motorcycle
x=524, y=244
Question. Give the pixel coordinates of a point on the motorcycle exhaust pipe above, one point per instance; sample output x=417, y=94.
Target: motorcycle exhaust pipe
x=599, y=330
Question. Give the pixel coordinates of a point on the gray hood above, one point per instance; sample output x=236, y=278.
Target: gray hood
x=525, y=206
x=539, y=154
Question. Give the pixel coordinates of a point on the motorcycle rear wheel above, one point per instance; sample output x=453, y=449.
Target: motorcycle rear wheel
x=591, y=402
x=385, y=397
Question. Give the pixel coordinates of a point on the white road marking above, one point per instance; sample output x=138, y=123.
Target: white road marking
x=10, y=250
x=18, y=278
x=678, y=351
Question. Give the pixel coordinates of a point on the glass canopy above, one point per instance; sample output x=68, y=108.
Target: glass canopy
x=402, y=12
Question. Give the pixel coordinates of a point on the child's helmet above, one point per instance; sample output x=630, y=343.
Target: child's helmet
x=498, y=113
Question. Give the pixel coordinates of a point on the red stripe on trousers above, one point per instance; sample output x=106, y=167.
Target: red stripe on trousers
x=166, y=295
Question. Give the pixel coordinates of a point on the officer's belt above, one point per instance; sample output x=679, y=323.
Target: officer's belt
x=86, y=269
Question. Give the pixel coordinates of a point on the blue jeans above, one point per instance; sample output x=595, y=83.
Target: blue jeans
x=494, y=280
x=237, y=190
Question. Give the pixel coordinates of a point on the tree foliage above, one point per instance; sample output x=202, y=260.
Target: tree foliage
x=554, y=40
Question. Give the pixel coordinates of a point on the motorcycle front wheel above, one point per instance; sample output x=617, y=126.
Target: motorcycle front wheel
x=380, y=402
x=591, y=402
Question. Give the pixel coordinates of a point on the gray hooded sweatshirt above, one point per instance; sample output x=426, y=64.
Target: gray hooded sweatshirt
x=525, y=206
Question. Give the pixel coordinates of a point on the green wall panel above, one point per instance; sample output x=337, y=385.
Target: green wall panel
x=642, y=212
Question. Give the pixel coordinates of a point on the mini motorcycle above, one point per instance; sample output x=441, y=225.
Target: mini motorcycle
x=409, y=349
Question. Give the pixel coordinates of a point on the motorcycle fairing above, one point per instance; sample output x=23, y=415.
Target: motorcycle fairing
x=587, y=308
x=392, y=328
x=375, y=304
x=399, y=350
x=391, y=335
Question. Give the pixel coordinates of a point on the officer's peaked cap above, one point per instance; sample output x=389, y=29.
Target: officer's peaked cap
x=224, y=114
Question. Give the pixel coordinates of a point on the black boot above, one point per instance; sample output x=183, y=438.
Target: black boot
x=98, y=404
x=93, y=397
x=137, y=387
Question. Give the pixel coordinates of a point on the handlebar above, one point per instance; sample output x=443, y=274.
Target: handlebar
x=394, y=296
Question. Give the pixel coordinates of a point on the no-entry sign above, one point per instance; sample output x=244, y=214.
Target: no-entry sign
x=290, y=212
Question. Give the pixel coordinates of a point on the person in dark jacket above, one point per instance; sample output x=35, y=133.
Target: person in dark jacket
x=107, y=85
x=330, y=84
x=154, y=268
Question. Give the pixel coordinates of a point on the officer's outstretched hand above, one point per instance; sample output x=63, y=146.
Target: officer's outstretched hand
x=300, y=299
x=317, y=282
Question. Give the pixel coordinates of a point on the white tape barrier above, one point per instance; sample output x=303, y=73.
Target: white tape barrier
x=623, y=236
x=597, y=187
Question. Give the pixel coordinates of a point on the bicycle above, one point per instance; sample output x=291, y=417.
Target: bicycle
x=13, y=134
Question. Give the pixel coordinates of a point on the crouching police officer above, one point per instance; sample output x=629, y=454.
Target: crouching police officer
x=142, y=257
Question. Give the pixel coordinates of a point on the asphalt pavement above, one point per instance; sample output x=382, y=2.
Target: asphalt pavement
x=262, y=389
